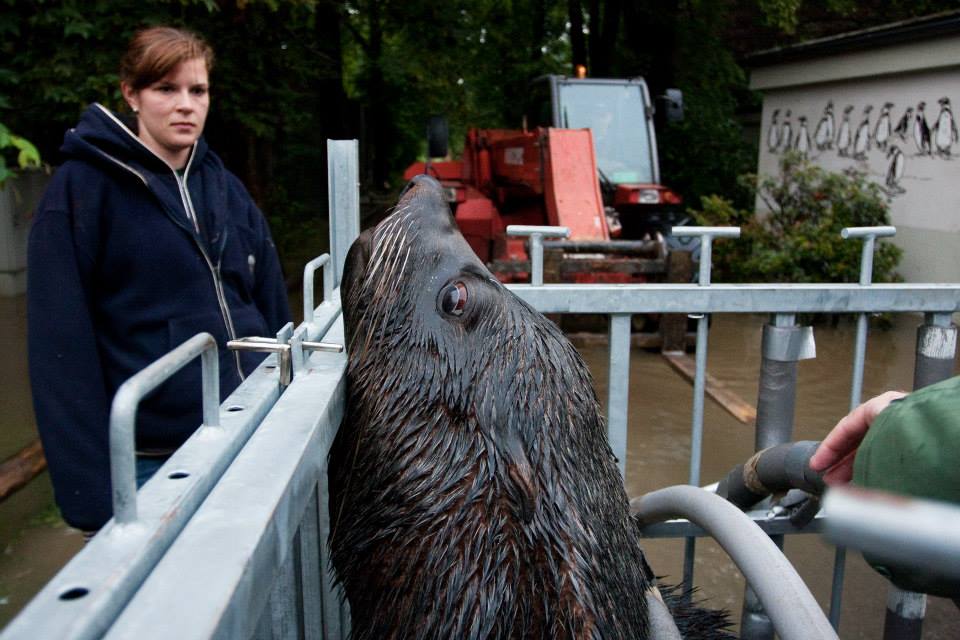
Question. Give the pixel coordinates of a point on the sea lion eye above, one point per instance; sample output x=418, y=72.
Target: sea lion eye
x=453, y=298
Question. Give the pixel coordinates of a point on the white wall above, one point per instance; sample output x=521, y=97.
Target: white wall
x=18, y=198
x=925, y=199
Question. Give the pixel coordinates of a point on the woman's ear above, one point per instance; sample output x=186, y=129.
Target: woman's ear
x=131, y=96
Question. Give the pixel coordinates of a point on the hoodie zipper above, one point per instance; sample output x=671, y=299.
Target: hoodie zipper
x=191, y=214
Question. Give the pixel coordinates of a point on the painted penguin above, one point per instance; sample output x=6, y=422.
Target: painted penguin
x=921, y=131
x=802, y=143
x=786, y=132
x=861, y=141
x=895, y=162
x=903, y=125
x=882, y=132
x=773, y=133
x=823, y=137
x=843, y=137
x=945, y=130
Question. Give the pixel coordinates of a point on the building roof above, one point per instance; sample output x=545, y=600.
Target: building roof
x=940, y=24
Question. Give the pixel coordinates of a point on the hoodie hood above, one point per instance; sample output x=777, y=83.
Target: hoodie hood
x=102, y=132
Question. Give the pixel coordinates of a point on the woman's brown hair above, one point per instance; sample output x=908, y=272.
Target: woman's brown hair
x=155, y=52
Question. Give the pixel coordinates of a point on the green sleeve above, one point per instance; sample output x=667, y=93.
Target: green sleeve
x=913, y=446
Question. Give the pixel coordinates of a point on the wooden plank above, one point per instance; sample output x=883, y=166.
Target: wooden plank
x=20, y=468
x=717, y=390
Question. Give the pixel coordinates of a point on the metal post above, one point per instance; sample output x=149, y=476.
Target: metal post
x=308, y=272
x=784, y=345
x=618, y=388
x=123, y=415
x=936, y=351
x=869, y=235
x=706, y=235
x=344, y=200
x=536, y=235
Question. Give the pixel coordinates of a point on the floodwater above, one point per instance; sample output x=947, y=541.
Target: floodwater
x=35, y=543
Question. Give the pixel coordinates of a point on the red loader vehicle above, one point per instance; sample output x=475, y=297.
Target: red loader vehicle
x=589, y=163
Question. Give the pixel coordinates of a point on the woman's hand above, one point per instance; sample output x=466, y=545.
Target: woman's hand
x=838, y=449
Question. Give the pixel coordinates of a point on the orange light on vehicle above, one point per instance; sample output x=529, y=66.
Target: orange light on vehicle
x=581, y=70
x=669, y=197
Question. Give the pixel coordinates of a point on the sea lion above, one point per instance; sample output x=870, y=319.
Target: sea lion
x=472, y=490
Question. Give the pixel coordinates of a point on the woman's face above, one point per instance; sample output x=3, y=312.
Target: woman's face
x=171, y=112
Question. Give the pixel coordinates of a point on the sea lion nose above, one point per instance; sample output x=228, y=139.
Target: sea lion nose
x=422, y=181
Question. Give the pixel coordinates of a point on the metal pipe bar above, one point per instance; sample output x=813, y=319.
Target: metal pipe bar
x=343, y=162
x=740, y=298
x=534, y=229
x=537, y=234
x=625, y=247
x=896, y=529
x=309, y=270
x=793, y=609
x=783, y=345
x=618, y=387
x=706, y=235
x=225, y=561
x=856, y=385
x=87, y=595
x=123, y=415
x=771, y=525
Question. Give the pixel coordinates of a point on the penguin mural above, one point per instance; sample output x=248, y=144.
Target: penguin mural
x=773, y=133
x=903, y=125
x=882, y=132
x=895, y=162
x=786, y=132
x=802, y=143
x=861, y=142
x=945, y=130
x=843, y=137
x=921, y=131
x=823, y=136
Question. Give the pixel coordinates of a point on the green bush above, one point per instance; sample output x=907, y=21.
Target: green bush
x=797, y=238
x=26, y=155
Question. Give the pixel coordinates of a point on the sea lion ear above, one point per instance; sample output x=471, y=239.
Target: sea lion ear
x=523, y=490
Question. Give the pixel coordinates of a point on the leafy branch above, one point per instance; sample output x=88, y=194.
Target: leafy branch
x=27, y=156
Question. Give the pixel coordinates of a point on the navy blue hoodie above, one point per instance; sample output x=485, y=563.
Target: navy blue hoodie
x=126, y=261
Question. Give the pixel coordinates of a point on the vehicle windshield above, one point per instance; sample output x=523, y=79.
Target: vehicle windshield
x=615, y=113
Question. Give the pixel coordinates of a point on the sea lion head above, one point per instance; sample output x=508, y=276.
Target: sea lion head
x=472, y=489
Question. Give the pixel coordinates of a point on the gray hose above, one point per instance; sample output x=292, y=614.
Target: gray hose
x=795, y=613
x=774, y=470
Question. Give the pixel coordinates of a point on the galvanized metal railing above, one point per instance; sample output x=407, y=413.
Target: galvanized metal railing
x=251, y=561
x=84, y=599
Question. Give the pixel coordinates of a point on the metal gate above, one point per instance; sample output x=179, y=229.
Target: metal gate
x=228, y=539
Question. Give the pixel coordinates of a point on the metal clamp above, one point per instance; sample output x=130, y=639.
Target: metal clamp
x=284, y=351
x=788, y=343
x=308, y=271
x=123, y=414
x=537, y=234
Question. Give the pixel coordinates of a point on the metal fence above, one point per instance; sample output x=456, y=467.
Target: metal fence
x=228, y=539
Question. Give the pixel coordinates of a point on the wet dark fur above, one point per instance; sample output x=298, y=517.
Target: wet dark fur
x=472, y=490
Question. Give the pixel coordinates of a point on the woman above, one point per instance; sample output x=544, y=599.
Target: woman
x=142, y=240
